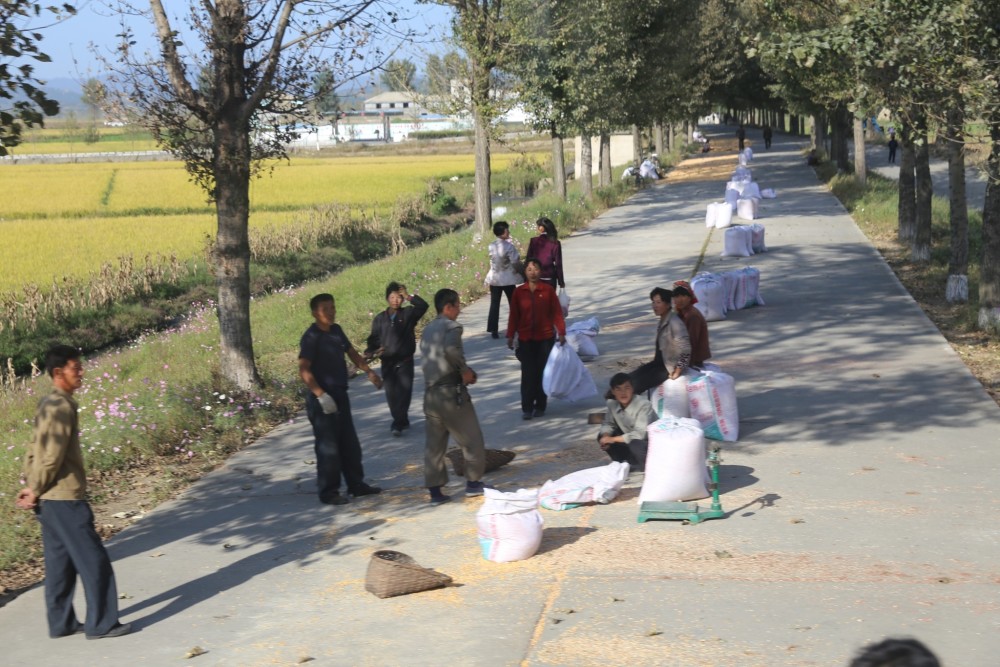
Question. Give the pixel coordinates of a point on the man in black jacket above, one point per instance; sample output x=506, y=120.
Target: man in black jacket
x=393, y=339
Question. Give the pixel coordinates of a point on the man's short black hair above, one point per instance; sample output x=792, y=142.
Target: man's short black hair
x=499, y=227
x=392, y=287
x=445, y=297
x=533, y=260
x=896, y=652
x=662, y=292
x=58, y=356
x=318, y=299
x=618, y=379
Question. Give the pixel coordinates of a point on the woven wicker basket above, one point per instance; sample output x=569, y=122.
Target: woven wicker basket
x=392, y=573
x=494, y=459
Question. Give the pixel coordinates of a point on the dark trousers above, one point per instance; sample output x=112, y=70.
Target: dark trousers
x=533, y=354
x=648, y=376
x=493, y=320
x=892, y=155
x=397, y=380
x=767, y=142
x=633, y=453
x=338, y=451
x=73, y=547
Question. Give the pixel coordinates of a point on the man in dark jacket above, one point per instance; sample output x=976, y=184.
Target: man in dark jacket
x=394, y=340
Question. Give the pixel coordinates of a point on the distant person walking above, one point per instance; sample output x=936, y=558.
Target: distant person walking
x=503, y=275
x=448, y=407
x=57, y=491
x=893, y=145
x=536, y=319
x=768, y=135
x=323, y=369
x=393, y=339
x=548, y=251
x=741, y=135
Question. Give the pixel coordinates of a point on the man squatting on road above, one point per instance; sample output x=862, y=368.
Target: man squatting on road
x=447, y=404
x=393, y=338
x=323, y=368
x=57, y=490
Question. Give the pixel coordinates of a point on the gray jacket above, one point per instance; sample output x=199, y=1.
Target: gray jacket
x=673, y=343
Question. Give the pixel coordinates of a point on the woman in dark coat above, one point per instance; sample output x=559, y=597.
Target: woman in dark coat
x=548, y=251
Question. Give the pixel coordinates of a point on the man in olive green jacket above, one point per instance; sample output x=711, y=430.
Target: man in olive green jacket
x=56, y=490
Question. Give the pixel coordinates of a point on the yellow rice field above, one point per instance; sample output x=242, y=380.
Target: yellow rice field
x=53, y=224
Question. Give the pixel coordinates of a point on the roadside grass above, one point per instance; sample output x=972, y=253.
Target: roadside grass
x=874, y=208
x=159, y=403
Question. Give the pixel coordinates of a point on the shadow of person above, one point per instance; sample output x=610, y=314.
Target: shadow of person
x=554, y=538
x=198, y=590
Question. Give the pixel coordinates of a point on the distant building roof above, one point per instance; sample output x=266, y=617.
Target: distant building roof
x=392, y=96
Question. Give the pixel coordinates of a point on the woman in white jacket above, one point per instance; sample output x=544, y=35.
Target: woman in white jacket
x=504, y=273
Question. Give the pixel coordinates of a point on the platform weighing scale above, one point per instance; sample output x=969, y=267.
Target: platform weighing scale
x=687, y=512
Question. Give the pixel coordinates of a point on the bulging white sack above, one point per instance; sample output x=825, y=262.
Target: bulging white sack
x=593, y=485
x=748, y=294
x=712, y=397
x=509, y=525
x=670, y=399
x=742, y=173
x=710, y=215
x=566, y=377
x=736, y=242
x=584, y=345
x=748, y=154
x=732, y=197
x=757, y=238
x=746, y=207
x=711, y=296
x=738, y=185
x=751, y=190
x=723, y=215
x=675, y=462
x=768, y=193
x=730, y=284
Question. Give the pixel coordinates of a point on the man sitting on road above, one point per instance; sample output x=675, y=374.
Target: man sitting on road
x=623, y=432
x=697, y=328
x=673, y=346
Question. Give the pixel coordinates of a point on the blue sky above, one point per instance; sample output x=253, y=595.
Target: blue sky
x=70, y=40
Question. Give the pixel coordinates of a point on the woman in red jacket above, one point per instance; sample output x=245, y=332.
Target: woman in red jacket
x=548, y=251
x=536, y=318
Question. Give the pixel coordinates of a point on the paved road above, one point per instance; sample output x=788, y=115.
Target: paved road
x=859, y=498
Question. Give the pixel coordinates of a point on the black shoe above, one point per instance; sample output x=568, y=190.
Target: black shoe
x=335, y=499
x=436, y=496
x=75, y=630
x=474, y=488
x=118, y=630
x=396, y=433
x=495, y=335
x=526, y=416
x=365, y=490
x=538, y=413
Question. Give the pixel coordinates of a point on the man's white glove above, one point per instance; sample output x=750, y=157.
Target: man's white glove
x=327, y=403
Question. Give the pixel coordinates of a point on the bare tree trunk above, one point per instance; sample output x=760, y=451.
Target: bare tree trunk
x=907, y=208
x=957, y=290
x=558, y=165
x=232, y=253
x=839, y=145
x=860, y=165
x=921, y=249
x=480, y=97
x=636, y=146
x=816, y=134
x=586, y=176
x=658, y=137
x=605, y=159
x=989, y=265
x=670, y=137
